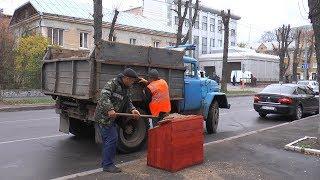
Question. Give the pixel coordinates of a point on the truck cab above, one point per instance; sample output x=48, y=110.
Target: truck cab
x=202, y=95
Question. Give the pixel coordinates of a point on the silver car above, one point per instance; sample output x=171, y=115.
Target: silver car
x=311, y=84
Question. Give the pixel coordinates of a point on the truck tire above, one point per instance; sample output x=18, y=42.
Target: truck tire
x=80, y=129
x=133, y=136
x=213, y=118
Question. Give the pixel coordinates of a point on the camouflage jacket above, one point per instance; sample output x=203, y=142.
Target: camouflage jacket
x=114, y=96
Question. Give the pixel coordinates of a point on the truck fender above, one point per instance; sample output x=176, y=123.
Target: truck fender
x=215, y=96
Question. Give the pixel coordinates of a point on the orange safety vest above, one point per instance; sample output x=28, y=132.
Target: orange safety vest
x=160, y=101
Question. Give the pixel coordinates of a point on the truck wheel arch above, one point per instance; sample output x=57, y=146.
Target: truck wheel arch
x=221, y=98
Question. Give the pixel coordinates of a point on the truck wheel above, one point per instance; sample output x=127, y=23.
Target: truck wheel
x=80, y=128
x=133, y=136
x=213, y=118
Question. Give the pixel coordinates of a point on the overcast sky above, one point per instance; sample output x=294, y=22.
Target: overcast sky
x=259, y=15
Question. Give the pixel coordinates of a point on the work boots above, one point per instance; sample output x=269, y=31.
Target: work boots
x=112, y=169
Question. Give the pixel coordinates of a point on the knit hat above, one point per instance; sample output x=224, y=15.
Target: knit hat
x=130, y=73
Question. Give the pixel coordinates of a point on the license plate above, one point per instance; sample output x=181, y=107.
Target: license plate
x=268, y=108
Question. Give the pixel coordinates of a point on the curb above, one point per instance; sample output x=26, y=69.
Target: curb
x=26, y=108
x=291, y=147
x=94, y=171
x=241, y=95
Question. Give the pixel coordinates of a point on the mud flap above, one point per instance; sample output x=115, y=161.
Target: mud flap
x=64, y=124
x=97, y=134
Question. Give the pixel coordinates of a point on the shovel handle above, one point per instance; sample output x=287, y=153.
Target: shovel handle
x=132, y=115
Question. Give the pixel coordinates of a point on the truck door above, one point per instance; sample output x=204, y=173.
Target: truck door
x=192, y=89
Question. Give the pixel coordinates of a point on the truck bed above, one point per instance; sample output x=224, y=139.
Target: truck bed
x=84, y=77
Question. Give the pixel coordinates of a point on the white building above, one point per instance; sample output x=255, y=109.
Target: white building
x=264, y=67
x=69, y=24
x=207, y=32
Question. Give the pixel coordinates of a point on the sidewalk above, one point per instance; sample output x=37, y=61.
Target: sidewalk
x=25, y=107
x=256, y=155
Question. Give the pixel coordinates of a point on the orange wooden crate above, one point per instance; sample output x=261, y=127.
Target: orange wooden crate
x=176, y=144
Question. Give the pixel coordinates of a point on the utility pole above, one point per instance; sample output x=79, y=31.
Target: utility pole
x=305, y=62
x=225, y=20
x=97, y=16
x=190, y=27
x=314, y=16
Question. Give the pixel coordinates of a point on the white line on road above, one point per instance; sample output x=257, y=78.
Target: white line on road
x=85, y=173
x=30, y=139
x=237, y=112
x=15, y=121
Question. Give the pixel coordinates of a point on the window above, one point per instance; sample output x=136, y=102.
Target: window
x=220, y=26
x=196, y=23
x=196, y=40
x=186, y=23
x=156, y=44
x=233, y=43
x=212, y=24
x=204, y=45
x=233, y=32
x=172, y=44
x=176, y=20
x=204, y=23
x=113, y=38
x=189, y=69
x=133, y=41
x=55, y=36
x=220, y=42
x=314, y=65
x=212, y=42
x=301, y=91
x=314, y=76
x=84, y=40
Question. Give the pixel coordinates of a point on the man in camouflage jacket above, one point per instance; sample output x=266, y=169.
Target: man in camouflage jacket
x=114, y=98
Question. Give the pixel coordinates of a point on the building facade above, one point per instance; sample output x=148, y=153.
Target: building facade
x=264, y=67
x=69, y=24
x=207, y=32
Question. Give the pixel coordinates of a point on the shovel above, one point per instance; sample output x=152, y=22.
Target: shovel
x=153, y=120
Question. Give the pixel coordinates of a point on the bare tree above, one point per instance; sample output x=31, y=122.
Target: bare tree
x=112, y=27
x=296, y=54
x=284, y=39
x=182, y=18
x=268, y=36
x=225, y=20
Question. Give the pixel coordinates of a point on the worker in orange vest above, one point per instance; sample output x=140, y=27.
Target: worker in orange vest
x=157, y=94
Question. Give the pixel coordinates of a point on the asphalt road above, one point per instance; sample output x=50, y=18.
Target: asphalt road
x=32, y=148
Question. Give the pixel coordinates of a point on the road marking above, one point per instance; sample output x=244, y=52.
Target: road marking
x=14, y=121
x=30, y=139
x=85, y=173
x=237, y=112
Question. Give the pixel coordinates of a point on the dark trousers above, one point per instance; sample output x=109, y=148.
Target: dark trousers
x=109, y=137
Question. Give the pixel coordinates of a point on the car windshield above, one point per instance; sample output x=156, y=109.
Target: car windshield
x=303, y=82
x=278, y=89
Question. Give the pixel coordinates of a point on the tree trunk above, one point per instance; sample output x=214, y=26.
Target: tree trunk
x=114, y=20
x=296, y=56
x=225, y=19
x=97, y=16
x=314, y=15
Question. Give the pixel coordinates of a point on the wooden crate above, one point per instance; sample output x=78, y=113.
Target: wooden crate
x=176, y=143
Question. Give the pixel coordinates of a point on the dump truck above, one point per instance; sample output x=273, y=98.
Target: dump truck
x=75, y=79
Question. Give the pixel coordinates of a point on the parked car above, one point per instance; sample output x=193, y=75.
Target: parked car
x=314, y=85
x=288, y=99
